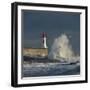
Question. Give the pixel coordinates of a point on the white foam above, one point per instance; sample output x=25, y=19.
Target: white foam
x=62, y=50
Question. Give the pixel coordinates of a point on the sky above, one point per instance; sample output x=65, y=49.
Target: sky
x=53, y=23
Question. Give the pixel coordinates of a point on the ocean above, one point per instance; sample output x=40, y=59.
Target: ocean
x=37, y=67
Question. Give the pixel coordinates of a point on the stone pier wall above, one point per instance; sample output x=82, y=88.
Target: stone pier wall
x=34, y=52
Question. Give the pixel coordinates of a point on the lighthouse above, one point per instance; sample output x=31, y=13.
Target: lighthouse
x=41, y=52
x=44, y=40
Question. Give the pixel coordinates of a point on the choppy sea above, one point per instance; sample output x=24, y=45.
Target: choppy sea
x=36, y=69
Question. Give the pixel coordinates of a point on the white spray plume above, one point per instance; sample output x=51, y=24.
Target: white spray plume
x=61, y=48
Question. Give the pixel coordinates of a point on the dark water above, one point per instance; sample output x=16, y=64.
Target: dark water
x=36, y=69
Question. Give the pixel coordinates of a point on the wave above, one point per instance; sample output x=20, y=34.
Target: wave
x=62, y=50
x=50, y=69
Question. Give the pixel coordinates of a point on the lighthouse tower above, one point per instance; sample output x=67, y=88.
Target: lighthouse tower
x=44, y=38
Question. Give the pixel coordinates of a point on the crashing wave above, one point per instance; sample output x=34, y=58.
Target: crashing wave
x=62, y=50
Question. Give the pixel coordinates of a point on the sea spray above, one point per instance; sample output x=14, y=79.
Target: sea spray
x=62, y=50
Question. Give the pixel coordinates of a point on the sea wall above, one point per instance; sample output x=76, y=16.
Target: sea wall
x=34, y=52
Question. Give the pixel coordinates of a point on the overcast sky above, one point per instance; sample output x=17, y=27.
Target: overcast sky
x=53, y=23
